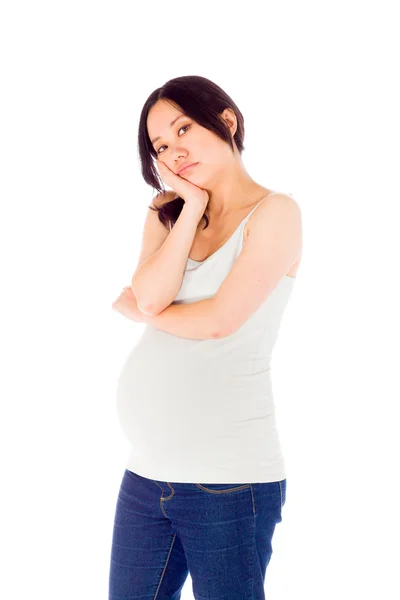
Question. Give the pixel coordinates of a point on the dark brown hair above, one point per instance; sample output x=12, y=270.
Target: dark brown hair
x=203, y=101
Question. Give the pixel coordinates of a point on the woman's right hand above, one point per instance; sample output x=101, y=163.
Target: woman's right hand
x=189, y=192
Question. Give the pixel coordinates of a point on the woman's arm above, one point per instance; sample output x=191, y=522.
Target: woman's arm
x=197, y=320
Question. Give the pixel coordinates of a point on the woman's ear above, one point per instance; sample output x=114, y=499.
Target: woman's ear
x=230, y=118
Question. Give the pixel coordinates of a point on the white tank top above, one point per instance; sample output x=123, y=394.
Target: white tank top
x=202, y=411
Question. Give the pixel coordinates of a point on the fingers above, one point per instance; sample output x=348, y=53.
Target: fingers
x=163, y=167
x=160, y=164
x=166, y=174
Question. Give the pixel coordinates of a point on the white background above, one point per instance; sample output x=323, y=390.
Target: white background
x=317, y=83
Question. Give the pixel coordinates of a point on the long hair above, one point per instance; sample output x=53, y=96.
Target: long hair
x=201, y=100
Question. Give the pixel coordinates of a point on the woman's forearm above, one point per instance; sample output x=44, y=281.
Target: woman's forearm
x=196, y=320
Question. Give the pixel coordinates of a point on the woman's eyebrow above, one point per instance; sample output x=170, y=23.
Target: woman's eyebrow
x=174, y=121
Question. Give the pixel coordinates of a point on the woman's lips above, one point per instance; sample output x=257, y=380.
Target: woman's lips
x=188, y=168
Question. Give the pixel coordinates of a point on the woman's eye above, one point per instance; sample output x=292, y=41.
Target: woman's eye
x=183, y=127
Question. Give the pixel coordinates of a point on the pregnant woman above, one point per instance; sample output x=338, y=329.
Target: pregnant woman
x=205, y=482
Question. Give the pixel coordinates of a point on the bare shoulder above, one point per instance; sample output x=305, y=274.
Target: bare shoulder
x=283, y=200
x=280, y=206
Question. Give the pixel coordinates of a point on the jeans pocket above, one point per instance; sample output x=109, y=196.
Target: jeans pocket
x=221, y=488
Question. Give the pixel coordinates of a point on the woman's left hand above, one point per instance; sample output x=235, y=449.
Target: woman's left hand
x=126, y=305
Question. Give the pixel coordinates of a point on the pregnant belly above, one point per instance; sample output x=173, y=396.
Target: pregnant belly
x=156, y=392
x=165, y=388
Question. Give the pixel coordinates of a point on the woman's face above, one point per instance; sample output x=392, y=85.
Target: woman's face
x=182, y=141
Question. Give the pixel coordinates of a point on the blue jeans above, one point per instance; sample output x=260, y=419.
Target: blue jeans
x=219, y=532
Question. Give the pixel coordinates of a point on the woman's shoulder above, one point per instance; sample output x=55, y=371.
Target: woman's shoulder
x=273, y=199
x=278, y=197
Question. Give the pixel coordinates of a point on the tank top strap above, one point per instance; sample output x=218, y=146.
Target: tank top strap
x=247, y=217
